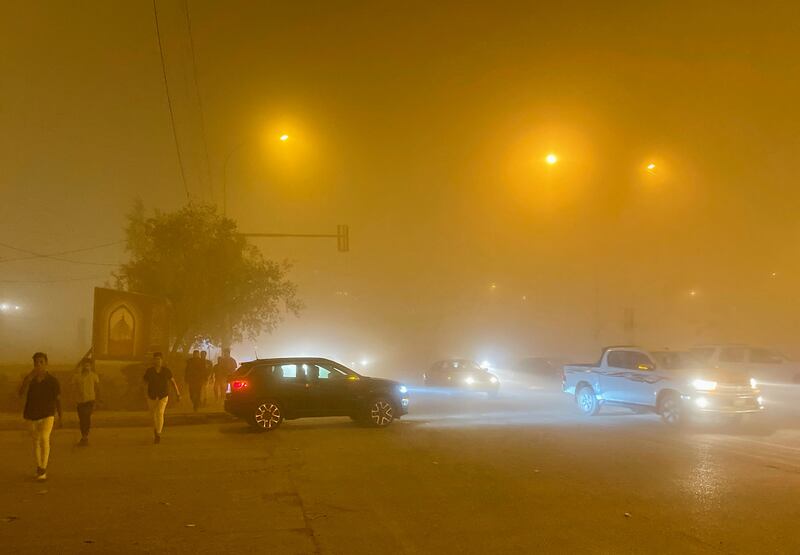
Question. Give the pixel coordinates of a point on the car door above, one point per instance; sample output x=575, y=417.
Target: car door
x=331, y=391
x=291, y=388
x=643, y=379
x=613, y=375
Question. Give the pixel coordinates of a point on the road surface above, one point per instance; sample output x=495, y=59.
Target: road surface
x=523, y=473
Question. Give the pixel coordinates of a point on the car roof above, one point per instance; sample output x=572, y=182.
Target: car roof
x=289, y=359
x=715, y=345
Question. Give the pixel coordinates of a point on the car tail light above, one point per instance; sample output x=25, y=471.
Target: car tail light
x=238, y=385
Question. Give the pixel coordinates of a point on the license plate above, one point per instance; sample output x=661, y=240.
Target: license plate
x=739, y=402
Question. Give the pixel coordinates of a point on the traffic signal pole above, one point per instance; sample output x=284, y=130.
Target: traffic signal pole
x=342, y=236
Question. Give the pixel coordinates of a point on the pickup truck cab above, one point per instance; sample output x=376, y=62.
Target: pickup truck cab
x=677, y=387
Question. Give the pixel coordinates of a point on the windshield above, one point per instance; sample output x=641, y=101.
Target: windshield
x=671, y=360
x=462, y=366
x=703, y=353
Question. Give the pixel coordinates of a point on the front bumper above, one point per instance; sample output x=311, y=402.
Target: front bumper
x=712, y=403
x=403, y=407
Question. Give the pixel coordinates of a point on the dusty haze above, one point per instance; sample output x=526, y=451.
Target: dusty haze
x=425, y=129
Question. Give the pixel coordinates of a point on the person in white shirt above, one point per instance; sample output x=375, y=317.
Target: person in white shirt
x=86, y=384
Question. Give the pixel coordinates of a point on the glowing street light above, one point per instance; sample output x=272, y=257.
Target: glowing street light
x=651, y=167
x=283, y=138
x=551, y=159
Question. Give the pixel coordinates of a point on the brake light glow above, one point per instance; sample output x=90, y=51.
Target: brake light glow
x=238, y=385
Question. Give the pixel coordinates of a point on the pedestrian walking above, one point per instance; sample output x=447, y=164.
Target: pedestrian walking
x=195, y=376
x=86, y=384
x=224, y=367
x=42, y=402
x=158, y=378
x=208, y=372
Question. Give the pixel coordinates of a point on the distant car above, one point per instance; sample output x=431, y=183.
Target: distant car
x=462, y=374
x=538, y=367
x=766, y=365
x=268, y=391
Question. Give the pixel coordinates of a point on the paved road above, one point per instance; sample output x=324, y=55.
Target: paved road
x=520, y=474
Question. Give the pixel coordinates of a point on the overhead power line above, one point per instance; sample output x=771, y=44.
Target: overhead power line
x=169, y=103
x=45, y=281
x=56, y=255
x=199, y=101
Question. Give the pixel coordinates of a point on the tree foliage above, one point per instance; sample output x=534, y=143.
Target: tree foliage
x=219, y=285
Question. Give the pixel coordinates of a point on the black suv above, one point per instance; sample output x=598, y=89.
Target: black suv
x=267, y=391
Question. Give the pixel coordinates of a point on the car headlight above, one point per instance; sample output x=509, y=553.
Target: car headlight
x=402, y=389
x=753, y=383
x=469, y=380
x=493, y=379
x=704, y=385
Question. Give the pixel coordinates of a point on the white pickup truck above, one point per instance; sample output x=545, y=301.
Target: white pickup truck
x=675, y=388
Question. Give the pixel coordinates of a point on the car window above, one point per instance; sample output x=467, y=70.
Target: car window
x=617, y=359
x=289, y=371
x=703, y=354
x=732, y=354
x=765, y=356
x=326, y=372
x=672, y=360
x=638, y=361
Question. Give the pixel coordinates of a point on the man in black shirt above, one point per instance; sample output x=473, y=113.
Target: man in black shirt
x=42, y=402
x=158, y=378
x=195, y=376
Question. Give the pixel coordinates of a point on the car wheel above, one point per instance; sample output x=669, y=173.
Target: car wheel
x=672, y=410
x=380, y=413
x=587, y=401
x=267, y=416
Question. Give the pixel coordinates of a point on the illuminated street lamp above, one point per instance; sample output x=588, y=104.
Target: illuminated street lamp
x=283, y=138
x=551, y=159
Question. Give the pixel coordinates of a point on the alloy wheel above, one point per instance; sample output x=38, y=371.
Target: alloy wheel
x=670, y=411
x=587, y=400
x=268, y=416
x=381, y=413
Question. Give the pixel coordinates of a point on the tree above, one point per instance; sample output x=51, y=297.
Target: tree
x=219, y=285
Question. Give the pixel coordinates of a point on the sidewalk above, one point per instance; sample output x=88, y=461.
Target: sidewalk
x=124, y=419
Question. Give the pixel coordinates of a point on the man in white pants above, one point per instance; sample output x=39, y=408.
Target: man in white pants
x=158, y=377
x=42, y=401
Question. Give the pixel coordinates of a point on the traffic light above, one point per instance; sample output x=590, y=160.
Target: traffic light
x=343, y=238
